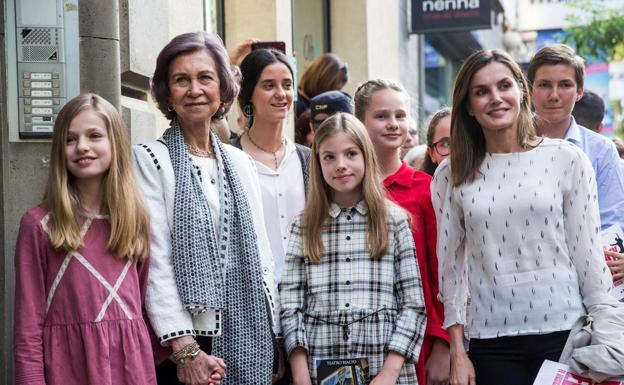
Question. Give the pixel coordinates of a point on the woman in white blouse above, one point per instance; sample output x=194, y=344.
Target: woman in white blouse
x=266, y=97
x=517, y=226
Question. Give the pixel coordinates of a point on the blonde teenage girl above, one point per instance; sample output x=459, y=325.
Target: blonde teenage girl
x=80, y=260
x=352, y=287
x=383, y=106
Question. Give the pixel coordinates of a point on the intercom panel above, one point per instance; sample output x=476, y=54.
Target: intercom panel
x=44, y=71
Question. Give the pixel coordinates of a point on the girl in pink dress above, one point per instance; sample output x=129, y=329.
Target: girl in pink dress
x=80, y=260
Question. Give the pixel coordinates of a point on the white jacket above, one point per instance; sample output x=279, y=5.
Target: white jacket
x=595, y=347
x=162, y=301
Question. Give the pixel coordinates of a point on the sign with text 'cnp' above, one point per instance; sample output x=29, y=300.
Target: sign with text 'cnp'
x=430, y=16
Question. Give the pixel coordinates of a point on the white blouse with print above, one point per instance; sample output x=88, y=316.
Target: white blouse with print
x=523, y=238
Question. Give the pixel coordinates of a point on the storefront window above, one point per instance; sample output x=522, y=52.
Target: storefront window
x=310, y=30
x=438, y=75
x=213, y=17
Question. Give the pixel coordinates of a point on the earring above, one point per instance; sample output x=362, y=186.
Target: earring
x=248, y=111
x=170, y=108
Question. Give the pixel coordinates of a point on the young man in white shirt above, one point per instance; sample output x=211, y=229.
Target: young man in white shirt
x=556, y=79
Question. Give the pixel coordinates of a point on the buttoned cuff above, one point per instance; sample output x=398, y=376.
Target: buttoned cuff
x=405, y=346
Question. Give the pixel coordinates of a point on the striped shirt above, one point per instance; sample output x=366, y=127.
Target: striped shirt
x=380, y=300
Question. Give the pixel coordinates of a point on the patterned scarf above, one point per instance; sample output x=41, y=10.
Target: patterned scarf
x=220, y=271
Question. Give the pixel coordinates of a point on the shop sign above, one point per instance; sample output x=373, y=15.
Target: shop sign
x=430, y=16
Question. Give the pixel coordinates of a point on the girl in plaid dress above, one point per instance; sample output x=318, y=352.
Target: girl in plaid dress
x=352, y=287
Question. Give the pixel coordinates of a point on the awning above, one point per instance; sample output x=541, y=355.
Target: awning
x=455, y=46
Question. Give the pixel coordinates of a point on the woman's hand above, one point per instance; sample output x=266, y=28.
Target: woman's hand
x=299, y=367
x=438, y=365
x=202, y=370
x=241, y=50
x=390, y=371
x=462, y=371
x=617, y=265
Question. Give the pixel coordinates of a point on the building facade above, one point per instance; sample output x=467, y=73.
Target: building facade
x=117, y=44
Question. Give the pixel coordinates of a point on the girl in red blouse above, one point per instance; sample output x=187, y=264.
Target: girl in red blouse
x=383, y=107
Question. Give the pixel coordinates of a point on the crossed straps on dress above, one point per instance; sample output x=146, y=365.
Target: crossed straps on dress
x=74, y=254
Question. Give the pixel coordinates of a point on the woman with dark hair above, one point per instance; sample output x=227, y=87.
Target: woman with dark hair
x=266, y=96
x=438, y=140
x=517, y=229
x=210, y=287
x=326, y=73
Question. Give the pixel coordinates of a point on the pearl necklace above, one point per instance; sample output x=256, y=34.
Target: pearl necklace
x=279, y=147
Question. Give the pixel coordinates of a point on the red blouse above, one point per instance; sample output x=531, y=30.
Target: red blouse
x=410, y=189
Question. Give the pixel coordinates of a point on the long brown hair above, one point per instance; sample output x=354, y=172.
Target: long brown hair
x=317, y=205
x=121, y=196
x=326, y=73
x=467, y=139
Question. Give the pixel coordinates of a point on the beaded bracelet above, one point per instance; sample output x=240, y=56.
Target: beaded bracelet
x=188, y=351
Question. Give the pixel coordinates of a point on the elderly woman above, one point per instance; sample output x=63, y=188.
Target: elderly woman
x=211, y=284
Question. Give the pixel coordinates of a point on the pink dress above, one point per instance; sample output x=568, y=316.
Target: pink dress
x=78, y=315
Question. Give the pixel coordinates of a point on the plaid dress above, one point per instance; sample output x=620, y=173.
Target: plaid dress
x=382, y=299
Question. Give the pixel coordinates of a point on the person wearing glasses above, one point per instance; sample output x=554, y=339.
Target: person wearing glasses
x=438, y=139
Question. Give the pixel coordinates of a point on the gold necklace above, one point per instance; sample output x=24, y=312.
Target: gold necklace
x=279, y=147
x=198, y=152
